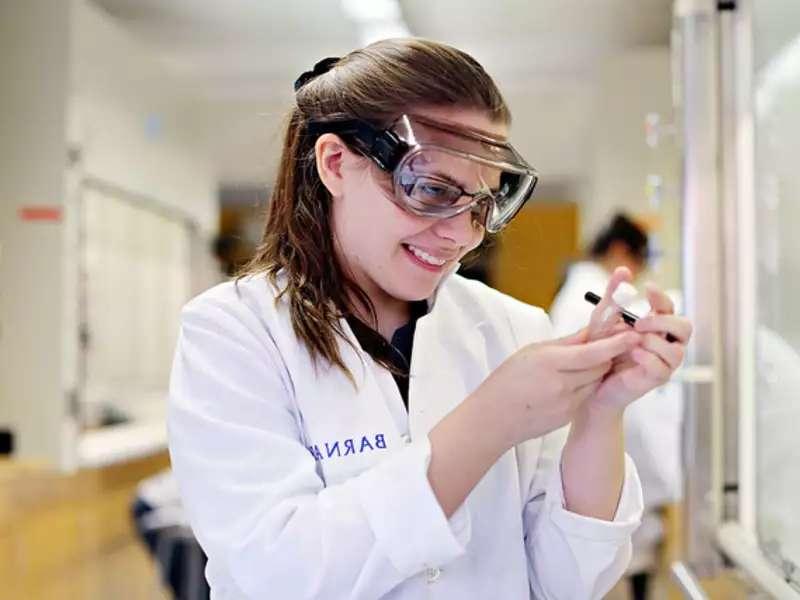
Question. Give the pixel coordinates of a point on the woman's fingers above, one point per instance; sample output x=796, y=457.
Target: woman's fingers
x=621, y=327
x=620, y=275
x=595, y=354
x=606, y=313
x=679, y=327
x=579, y=337
x=659, y=302
x=671, y=354
x=654, y=366
x=577, y=379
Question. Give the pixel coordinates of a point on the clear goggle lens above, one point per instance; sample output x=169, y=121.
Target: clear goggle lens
x=442, y=183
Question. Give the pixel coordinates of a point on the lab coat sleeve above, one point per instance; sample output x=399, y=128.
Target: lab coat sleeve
x=570, y=556
x=251, y=489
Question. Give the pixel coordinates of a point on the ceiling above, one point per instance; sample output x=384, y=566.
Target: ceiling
x=255, y=48
x=245, y=54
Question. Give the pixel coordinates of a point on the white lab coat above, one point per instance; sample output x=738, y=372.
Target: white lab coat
x=298, y=485
x=652, y=423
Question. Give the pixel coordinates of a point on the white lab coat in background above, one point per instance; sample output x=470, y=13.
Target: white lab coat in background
x=300, y=485
x=652, y=423
x=160, y=492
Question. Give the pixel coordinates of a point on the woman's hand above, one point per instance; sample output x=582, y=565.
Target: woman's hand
x=540, y=387
x=536, y=390
x=653, y=361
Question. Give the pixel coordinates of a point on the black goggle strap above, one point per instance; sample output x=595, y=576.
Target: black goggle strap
x=382, y=146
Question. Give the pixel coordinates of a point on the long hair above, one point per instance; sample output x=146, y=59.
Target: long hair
x=377, y=83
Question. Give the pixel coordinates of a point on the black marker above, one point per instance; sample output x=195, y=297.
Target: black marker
x=627, y=316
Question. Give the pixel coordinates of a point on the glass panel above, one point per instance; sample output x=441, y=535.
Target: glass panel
x=777, y=100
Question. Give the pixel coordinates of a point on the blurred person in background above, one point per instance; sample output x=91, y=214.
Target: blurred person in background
x=652, y=425
x=225, y=250
x=623, y=243
x=317, y=457
x=161, y=525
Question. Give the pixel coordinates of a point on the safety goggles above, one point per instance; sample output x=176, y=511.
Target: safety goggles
x=442, y=170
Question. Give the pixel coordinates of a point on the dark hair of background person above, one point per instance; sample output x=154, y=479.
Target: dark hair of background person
x=622, y=229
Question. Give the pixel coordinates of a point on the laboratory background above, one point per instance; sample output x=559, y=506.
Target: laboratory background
x=138, y=142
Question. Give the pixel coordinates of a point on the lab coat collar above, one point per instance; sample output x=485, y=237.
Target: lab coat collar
x=588, y=268
x=431, y=300
x=352, y=352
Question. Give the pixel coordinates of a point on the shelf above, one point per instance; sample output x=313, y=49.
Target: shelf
x=120, y=443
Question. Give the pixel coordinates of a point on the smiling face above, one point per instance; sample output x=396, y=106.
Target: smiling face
x=394, y=255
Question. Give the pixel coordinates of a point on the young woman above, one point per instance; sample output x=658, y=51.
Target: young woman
x=318, y=456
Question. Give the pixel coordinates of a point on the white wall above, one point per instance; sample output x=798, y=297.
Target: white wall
x=552, y=125
x=73, y=84
x=33, y=91
x=628, y=88
x=132, y=122
x=133, y=126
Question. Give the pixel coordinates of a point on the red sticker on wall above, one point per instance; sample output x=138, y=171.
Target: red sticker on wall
x=50, y=214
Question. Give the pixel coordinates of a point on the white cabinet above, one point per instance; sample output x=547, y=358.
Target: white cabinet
x=134, y=273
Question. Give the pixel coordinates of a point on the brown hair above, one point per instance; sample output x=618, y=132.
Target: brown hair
x=377, y=83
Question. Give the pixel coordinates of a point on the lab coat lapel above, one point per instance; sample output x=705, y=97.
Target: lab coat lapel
x=449, y=361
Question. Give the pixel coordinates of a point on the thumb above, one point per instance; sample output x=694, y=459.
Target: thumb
x=579, y=337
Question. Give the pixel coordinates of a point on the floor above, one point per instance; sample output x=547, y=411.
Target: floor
x=124, y=572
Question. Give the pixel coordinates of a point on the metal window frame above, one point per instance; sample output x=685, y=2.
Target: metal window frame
x=716, y=92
